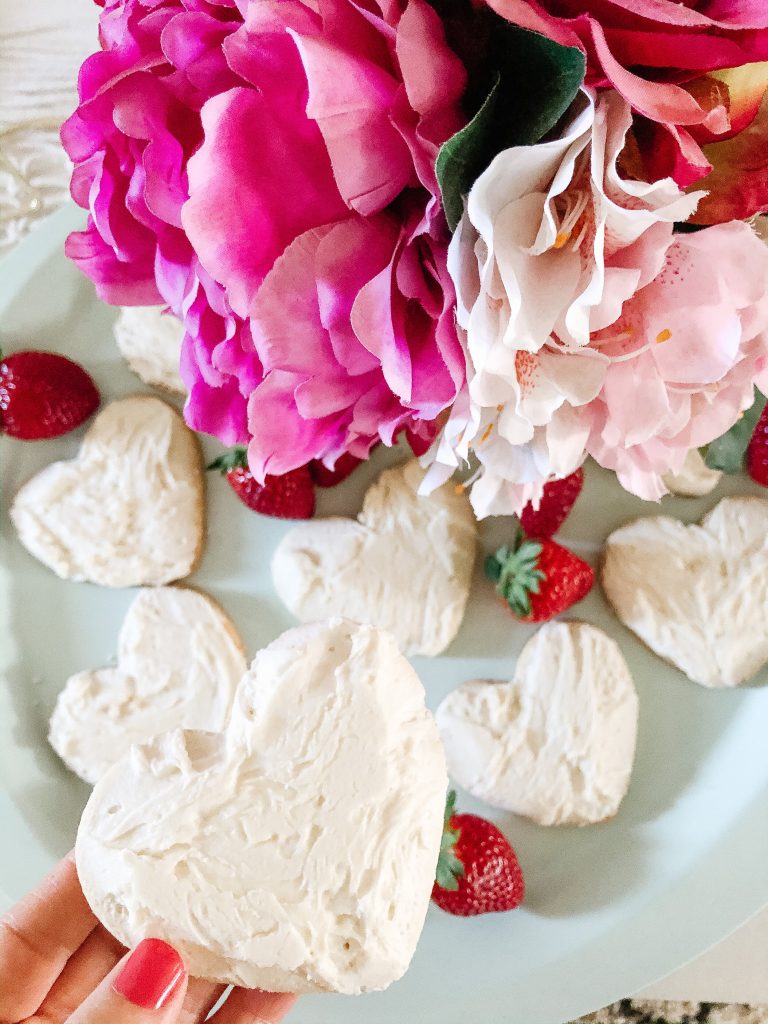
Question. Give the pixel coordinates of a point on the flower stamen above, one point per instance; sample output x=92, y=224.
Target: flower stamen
x=570, y=208
x=609, y=339
x=631, y=355
x=460, y=488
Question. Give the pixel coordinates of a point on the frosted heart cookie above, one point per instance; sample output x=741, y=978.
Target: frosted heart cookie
x=695, y=478
x=150, y=342
x=296, y=851
x=557, y=743
x=696, y=595
x=405, y=564
x=129, y=510
x=179, y=662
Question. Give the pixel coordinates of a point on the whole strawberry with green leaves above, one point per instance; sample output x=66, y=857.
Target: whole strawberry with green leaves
x=538, y=579
x=478, y=871
x=291, y=496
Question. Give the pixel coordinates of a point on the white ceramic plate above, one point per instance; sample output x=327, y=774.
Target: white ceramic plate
x=609, y=909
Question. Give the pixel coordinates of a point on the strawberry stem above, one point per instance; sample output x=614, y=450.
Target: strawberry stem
x=449, y=867
x=516, y=573
x=237, y=458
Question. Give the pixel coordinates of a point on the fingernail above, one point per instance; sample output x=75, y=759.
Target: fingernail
x=151, y=975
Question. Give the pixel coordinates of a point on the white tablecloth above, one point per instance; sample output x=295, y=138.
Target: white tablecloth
x=42, y=43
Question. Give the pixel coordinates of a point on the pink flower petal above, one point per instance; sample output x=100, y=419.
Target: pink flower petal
x=350, y=99
x=281, y=440
x=119, y=283
x=250, y=196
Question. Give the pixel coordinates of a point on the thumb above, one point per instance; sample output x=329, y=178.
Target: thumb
x=146, y=987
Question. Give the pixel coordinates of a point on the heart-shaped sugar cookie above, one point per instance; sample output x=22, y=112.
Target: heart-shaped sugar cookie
x=404, y=565
x=557, y=743
x=696, y=595
x=296, y=851
x=129, y=510
x=149, y=340
x=179, y=663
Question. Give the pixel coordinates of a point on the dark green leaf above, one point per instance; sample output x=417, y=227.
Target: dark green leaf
x=493, y=566
x=727, y=452
x=685, y=227
x=534, y=84
x=464, y=157
x=539, y=82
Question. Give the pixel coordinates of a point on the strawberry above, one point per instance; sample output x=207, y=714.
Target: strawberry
x=323, y=477
x=558, y=499
x=478, y=871
x=44, y=395
x=291, y=496
x=757, y=451
x=538, y=579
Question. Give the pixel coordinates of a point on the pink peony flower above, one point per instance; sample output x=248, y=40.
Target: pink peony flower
x=590, y=327
x=645, y=48
x=354, y=327
x=216, y=142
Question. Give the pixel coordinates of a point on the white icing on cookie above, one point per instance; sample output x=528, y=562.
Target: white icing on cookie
x=405, y=564
x=179, y=662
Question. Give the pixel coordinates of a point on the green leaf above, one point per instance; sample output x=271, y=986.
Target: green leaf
x=492, y=564
x=237, y=458
x=534, y=83
x=449, y=867
x=540, y=80
x=464, y=157
x=450, y=807
x=727, y=452
x=516, y=573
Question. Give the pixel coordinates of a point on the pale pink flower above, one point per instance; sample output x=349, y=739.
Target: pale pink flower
x=684, y=357
x=553, y=243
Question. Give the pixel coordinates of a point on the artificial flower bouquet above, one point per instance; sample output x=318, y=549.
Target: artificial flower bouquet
x=520, y=234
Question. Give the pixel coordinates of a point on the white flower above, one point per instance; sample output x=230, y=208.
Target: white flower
x=552, y=243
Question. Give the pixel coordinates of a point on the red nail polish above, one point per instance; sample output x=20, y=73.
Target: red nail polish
x=151, y=975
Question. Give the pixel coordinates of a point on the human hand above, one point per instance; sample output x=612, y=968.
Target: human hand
x=58, y=965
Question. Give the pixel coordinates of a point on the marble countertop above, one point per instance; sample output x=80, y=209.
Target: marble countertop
x=41, y=47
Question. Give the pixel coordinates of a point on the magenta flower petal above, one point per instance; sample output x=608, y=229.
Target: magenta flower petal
x=250, y=196
x=285, y=322
x=350, y=99
x=193, y=43
x=282, y=440
x=340, y=279
x=119, y=283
